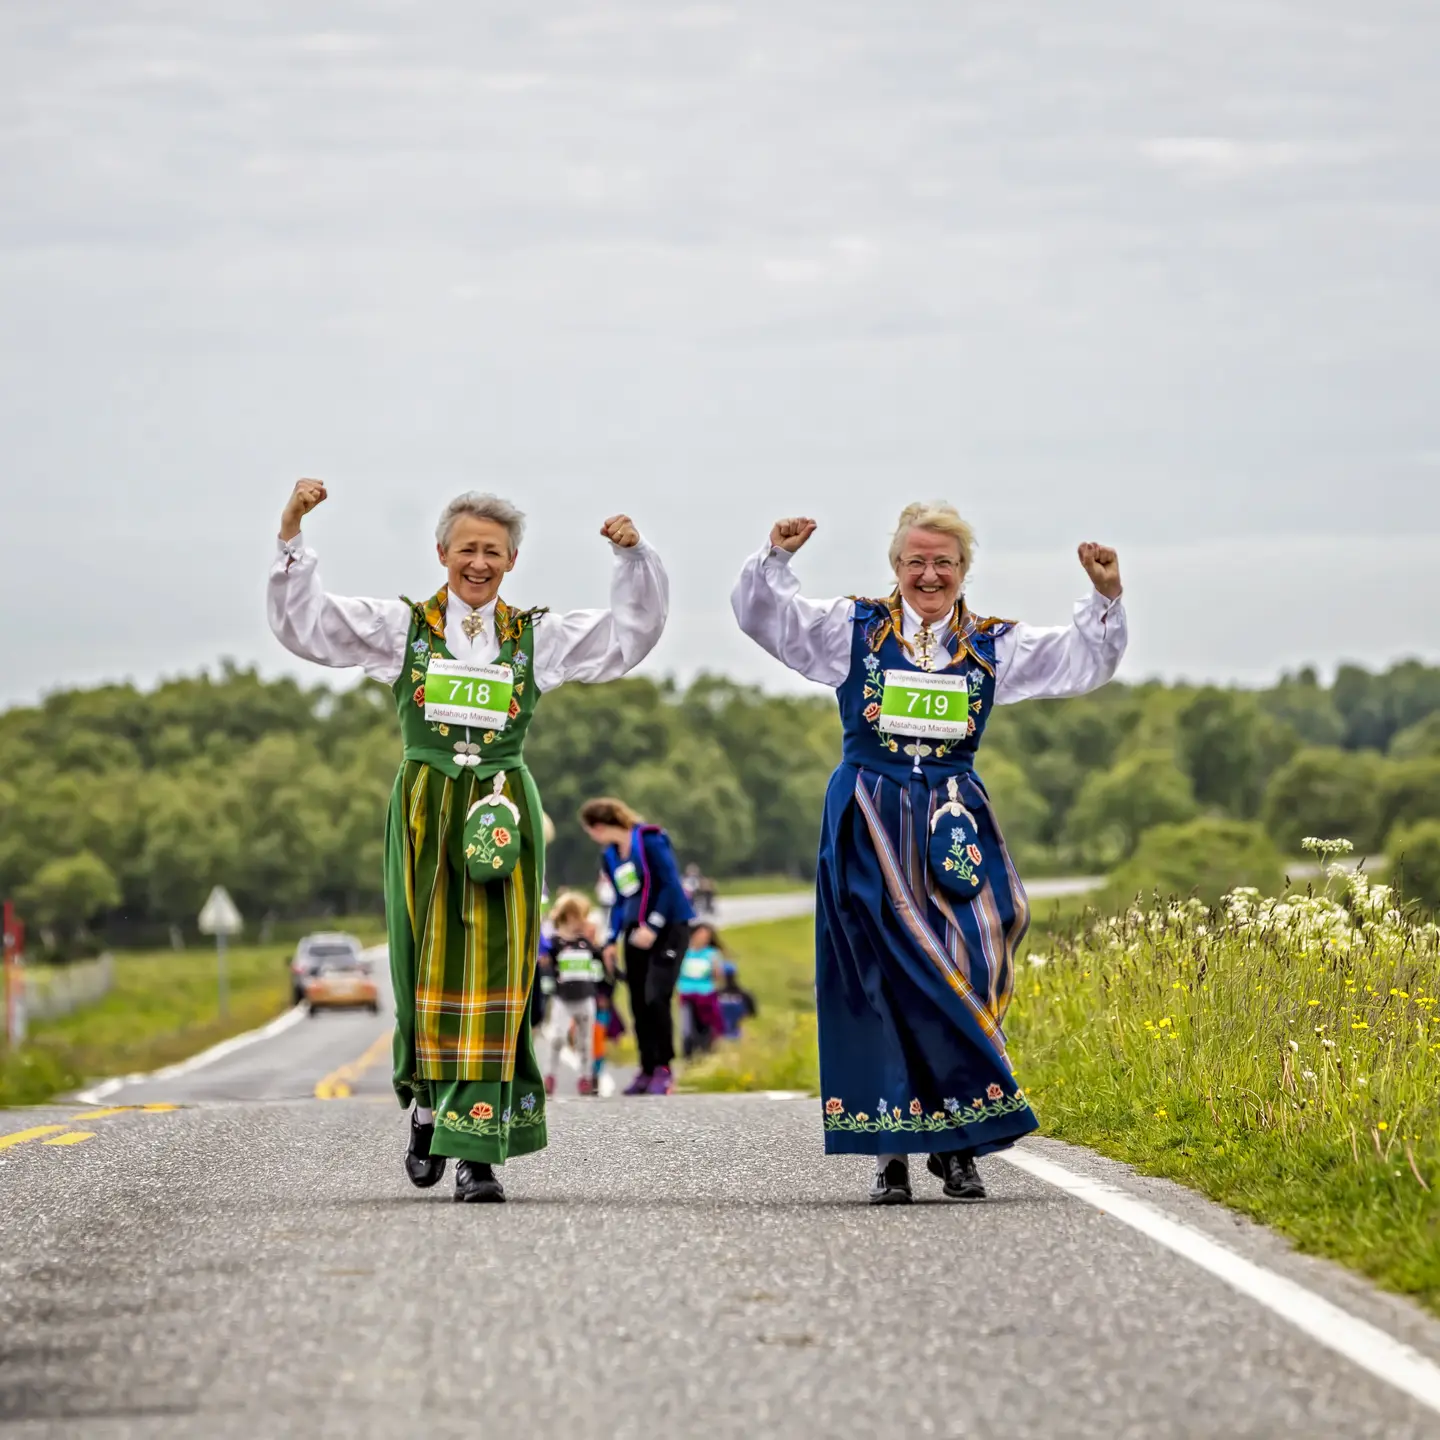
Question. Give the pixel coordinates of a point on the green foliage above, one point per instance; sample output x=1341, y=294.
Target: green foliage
x=1205, y=857
x=1024, y=815
x=1230, y=746
x=1116, y=807
x=1420, y=741
x=1326, y=792
x=1409, y=791
x=1376, y=708
x=1310, y=711
x=278, y=791
x=71, y=890
x=1414, y=851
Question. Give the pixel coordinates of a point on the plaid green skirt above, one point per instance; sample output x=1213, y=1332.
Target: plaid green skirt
x=462, y=962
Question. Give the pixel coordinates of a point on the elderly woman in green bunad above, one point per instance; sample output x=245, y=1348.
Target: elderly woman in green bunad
x=464, y=845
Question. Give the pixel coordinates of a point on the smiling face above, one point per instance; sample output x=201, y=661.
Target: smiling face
x=477, y=559
x=931, y=572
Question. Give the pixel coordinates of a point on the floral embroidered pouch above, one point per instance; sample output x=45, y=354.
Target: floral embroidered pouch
x=955, y=854
x=492, y=835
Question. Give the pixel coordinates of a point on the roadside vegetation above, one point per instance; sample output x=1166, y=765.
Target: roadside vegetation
x=120, y=808
x=1280, y=1055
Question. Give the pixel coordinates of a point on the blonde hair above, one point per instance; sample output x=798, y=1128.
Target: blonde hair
x=938, y=516
x=570, y=911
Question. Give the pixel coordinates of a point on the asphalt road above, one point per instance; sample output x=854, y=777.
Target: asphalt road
x=251, y=1264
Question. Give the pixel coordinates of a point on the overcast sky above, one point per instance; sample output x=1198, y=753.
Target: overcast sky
x=1144, y=271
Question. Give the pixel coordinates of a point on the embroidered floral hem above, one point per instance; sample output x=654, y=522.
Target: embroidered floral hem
x=982, y=1125
x=483, y=1121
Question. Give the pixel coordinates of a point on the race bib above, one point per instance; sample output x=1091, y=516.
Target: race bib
x=475, y=695
x=627, y=879
x=697, y=967
x=918, y=703
x=577, y=964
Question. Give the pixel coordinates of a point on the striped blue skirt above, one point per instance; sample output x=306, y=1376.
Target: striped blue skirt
x=911, y=987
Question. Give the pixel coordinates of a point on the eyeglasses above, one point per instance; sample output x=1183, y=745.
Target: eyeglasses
x=916, y=567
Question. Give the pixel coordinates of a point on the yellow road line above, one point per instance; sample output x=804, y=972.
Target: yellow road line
x=337, y=1084
x=20, y=1137
x=71, y=1137
x=121, y=1110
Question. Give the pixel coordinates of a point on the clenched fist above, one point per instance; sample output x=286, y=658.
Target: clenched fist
x=789, y=535
x=1102, y=565
x=306, y=495
x=620, y=530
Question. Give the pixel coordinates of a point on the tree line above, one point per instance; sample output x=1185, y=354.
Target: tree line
x=120, y=808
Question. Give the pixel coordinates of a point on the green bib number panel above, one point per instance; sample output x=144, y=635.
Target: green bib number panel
x=475, y=695
x=917, y=703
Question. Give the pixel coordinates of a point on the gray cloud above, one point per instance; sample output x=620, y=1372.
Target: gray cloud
x=1131, y=270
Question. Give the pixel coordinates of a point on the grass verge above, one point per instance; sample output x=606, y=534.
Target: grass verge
x=762, y=885
x=1279, y=1056
x=162, y=1009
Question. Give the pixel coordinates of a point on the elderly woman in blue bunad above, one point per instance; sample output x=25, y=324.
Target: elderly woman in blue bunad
x=919, y=910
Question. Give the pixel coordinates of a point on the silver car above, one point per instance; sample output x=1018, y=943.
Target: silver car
x=316, y=952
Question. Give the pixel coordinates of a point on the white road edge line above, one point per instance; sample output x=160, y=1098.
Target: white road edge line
x=1357, y=1340
x=98, y=1094
x=106, y=1088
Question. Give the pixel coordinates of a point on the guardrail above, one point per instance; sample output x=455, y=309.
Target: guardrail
x=51, y=991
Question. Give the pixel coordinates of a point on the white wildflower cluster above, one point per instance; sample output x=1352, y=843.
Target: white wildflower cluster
x=1350, y=912
x=1326, y=848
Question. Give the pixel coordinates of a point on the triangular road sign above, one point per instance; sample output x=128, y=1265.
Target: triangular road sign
x=220, y=917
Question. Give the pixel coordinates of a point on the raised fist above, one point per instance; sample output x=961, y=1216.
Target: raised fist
x=789, y=535
x=620, y=530
x=1102, y=565
x=306, y=495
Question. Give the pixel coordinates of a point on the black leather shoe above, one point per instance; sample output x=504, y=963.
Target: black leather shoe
x=423, y=1168
x=957, y=1170
x=475, y=1184
x=891, y=1185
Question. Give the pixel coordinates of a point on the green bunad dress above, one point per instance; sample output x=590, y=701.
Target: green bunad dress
x=462, y=953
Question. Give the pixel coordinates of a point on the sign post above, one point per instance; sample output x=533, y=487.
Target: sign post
x=12, y=935
x=221, y=919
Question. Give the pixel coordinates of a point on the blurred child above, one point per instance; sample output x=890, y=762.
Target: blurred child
x=702, y=973
x=736, y=1004
x=578, y=970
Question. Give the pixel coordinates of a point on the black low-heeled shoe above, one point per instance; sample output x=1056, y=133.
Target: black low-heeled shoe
x=891, y=1185
x=475, y=1184
x=958, y=1171
x=423, y=1168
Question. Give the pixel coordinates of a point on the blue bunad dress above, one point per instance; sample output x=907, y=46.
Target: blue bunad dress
x=919, y=911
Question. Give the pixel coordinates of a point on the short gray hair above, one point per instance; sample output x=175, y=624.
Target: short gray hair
x=481, y=506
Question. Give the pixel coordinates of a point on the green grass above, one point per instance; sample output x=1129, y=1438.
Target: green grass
x=1283, y=1058
x=776, y=964
x=1193, y=1045
x=761, y=885
x=163, y=1009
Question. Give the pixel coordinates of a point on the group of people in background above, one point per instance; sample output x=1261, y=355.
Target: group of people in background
x=649, y=920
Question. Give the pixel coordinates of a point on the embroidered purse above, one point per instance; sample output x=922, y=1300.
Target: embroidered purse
x=955, y=854
x=492, y=835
